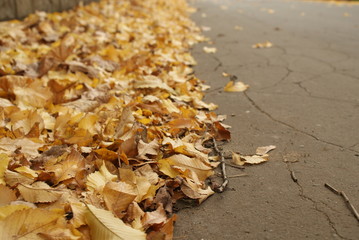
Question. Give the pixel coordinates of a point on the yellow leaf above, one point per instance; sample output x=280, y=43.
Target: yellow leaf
x=143, y=186
x=103, y=225
x=28, y=223
x=67, y=168
x=39, y=192
x=167, y=169
x=13, y=178
x=209, y=49
x=235, y=87
x=4, y=162
x=26, y=171
x=96, y=181
x=9, y=209
x=34, y=95
x=266, y=44
x=202, y=170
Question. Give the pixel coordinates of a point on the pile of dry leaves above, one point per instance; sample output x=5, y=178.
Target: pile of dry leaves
x=102, y=126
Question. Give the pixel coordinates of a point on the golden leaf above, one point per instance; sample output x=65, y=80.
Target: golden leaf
x=209, y=49
x=67, y=168
x=103, y=225
x=28, y=223
x=202, y=170
x=96, y=181
x=4, y=162
x=13, y=178
x=39, y=192
x=9, y=209
x=237, y=86
x=27, y=172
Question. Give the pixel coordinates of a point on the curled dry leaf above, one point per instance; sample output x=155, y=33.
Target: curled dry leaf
x=264, y=150
x=240, y=160
x=237, y=86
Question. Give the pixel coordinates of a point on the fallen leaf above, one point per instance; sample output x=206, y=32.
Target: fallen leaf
x=264, y=150
x=28, y=223
x=26, y=146
x=118, y=196
x=9, y=209
x=4, y=162
x=266, y=44
x=237, y=86
x=209, y=49
x=104, y=225
x=145, y=149
x=240, y=160
x=96, y=181
x=7, y=195
x=39, y=192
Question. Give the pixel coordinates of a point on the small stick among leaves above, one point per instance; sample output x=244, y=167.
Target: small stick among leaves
x=223, y=167
x=346, y=199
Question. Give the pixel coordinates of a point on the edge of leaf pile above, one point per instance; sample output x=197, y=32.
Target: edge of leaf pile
x=102, y=124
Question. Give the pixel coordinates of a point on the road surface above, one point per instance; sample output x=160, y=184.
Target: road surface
x=303, y=98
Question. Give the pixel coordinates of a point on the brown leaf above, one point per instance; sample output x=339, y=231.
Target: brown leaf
x=7, y=195
x=145, y=149
x=67, y=168
x=118, y=196
x=219, y=132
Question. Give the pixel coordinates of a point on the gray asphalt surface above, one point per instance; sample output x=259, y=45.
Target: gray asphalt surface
x=303, y=98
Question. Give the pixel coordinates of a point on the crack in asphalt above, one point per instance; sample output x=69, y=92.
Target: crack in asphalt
x=315, y=204
x=255, y=105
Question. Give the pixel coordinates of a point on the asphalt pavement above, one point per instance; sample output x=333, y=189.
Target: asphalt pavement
x=303, y=98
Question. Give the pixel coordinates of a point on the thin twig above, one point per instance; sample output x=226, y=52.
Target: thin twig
x=331, y=188
x=223, y=167
x=346, y=199
x=350, y=205
x=238, y=175
x=234, y=166
x=292, y=175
